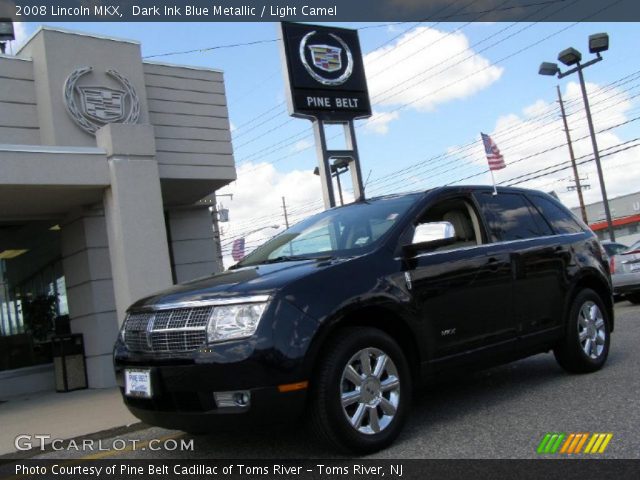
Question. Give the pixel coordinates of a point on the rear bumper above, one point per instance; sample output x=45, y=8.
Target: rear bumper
x=626, y=283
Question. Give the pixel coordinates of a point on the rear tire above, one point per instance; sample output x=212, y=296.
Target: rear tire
x=585, y=346
x=362, y=391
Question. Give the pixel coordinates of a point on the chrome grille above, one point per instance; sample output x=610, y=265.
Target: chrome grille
x=178, y=330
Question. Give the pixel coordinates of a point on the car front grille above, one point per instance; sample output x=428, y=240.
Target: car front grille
x=178, y=330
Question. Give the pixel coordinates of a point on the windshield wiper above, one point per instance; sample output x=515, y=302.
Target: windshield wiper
x=293, y=258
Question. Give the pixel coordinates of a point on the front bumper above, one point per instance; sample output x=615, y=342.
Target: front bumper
x=183, y=399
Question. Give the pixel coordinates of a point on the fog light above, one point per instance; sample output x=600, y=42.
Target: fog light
x=232, y=399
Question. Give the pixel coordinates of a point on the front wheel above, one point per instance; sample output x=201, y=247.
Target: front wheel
x=362, y=392
x=585, y=346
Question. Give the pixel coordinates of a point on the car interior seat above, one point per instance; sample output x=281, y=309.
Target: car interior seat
x=465, y=234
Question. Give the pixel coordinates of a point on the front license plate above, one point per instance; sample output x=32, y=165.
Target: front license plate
x=137, y=383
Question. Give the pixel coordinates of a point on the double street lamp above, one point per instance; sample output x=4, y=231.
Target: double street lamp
x=598, y=43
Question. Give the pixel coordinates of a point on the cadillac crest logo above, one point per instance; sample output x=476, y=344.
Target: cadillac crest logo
x=326, y=58
x=92, y=107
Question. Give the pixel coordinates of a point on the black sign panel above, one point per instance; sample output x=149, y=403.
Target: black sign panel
x=325, y=72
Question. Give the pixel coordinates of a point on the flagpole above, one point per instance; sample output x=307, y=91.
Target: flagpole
x=493, y=179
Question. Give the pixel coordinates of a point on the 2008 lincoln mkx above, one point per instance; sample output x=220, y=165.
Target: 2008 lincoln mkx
x=337, y=319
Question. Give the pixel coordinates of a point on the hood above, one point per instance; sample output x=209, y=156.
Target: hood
x=255, y=280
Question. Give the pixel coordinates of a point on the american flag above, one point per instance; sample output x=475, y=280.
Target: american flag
x=495, y=158
x=237, y=251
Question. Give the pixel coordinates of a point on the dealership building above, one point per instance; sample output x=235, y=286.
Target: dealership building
x=108, y=166
x=625, y=216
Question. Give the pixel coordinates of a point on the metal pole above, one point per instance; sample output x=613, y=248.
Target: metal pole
x=216, y=238
x=596, y=155
x=324, y=168
x=339, y=187
x=576, y=176
x=286, y=218
x=356, y=171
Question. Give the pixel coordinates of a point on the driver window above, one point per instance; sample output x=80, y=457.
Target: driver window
x=462, y=217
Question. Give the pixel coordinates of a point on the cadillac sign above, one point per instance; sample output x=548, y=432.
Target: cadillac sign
x=92, y=107
x=325, y=72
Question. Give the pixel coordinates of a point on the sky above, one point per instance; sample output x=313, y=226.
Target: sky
x=434, y=87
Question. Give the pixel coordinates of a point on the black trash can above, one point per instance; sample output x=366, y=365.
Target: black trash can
x=69, y=363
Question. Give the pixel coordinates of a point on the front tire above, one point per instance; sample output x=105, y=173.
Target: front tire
x=362, y=391
x=585, y=347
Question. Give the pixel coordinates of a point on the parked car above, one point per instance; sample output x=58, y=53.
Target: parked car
x=624, y=264
x=339, y=318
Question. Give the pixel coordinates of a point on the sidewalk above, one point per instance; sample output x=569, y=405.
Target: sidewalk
x=61, y=415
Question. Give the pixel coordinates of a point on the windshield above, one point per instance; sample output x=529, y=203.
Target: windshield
x=344, y=231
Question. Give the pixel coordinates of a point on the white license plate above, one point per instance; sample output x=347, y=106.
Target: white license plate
x=634, y=267
x=137, y=383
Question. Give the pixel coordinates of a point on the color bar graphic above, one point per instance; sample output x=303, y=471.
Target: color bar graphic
x=573, y=443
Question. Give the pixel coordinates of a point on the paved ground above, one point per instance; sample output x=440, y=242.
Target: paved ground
x=62, y=415
x=499, y=413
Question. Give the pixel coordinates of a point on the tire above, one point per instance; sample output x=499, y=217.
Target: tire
x=385, y=397
x=588, y=329
x=633, y=298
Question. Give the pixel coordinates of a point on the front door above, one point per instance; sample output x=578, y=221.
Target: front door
x=463, y=292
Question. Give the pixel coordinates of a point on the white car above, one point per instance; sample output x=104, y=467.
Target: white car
x=624, y=264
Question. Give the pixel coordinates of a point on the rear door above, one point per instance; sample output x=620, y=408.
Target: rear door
x=519, y=231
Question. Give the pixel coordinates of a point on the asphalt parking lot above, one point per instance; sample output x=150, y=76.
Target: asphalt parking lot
x=499, y=413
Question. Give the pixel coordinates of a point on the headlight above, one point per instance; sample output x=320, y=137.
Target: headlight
x=231, y=322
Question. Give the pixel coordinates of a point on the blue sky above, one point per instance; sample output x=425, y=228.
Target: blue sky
x=509, y=91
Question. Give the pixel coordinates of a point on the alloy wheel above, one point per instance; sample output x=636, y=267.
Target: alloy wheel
x=370, y=391
x=592, y=333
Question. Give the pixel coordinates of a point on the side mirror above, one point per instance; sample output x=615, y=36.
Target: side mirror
x=431, y=235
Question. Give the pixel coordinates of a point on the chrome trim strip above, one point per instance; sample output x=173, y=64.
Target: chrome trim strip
x=179, y=329
x=212, y=302
x=506, y=242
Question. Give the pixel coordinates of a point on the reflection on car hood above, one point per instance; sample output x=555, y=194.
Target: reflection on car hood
x=253, y=280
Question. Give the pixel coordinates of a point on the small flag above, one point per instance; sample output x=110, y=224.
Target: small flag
x=237, y=251
x=495, y=158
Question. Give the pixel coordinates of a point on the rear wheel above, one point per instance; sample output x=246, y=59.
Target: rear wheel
x=585, y=346
x=362, y=392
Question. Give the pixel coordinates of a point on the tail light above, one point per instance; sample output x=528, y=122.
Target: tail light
x=612, y=265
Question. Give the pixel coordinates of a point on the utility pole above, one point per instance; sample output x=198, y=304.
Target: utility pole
x=216, y=239
x=576, y=176
x=286, y=218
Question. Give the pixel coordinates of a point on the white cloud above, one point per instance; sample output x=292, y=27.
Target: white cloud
x=301, y=145
x=528, y=135
x=379, y=122
x=232, y=126
x=435, y=66
x=21, y=33
x=257, y=203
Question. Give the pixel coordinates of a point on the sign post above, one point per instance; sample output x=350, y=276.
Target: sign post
x=326, y=84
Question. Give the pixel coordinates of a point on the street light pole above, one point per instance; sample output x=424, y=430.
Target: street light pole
x=596, y=155
x=598, y=43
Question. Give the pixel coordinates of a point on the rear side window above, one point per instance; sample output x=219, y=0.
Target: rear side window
x=560, y=219
x=509, y=217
